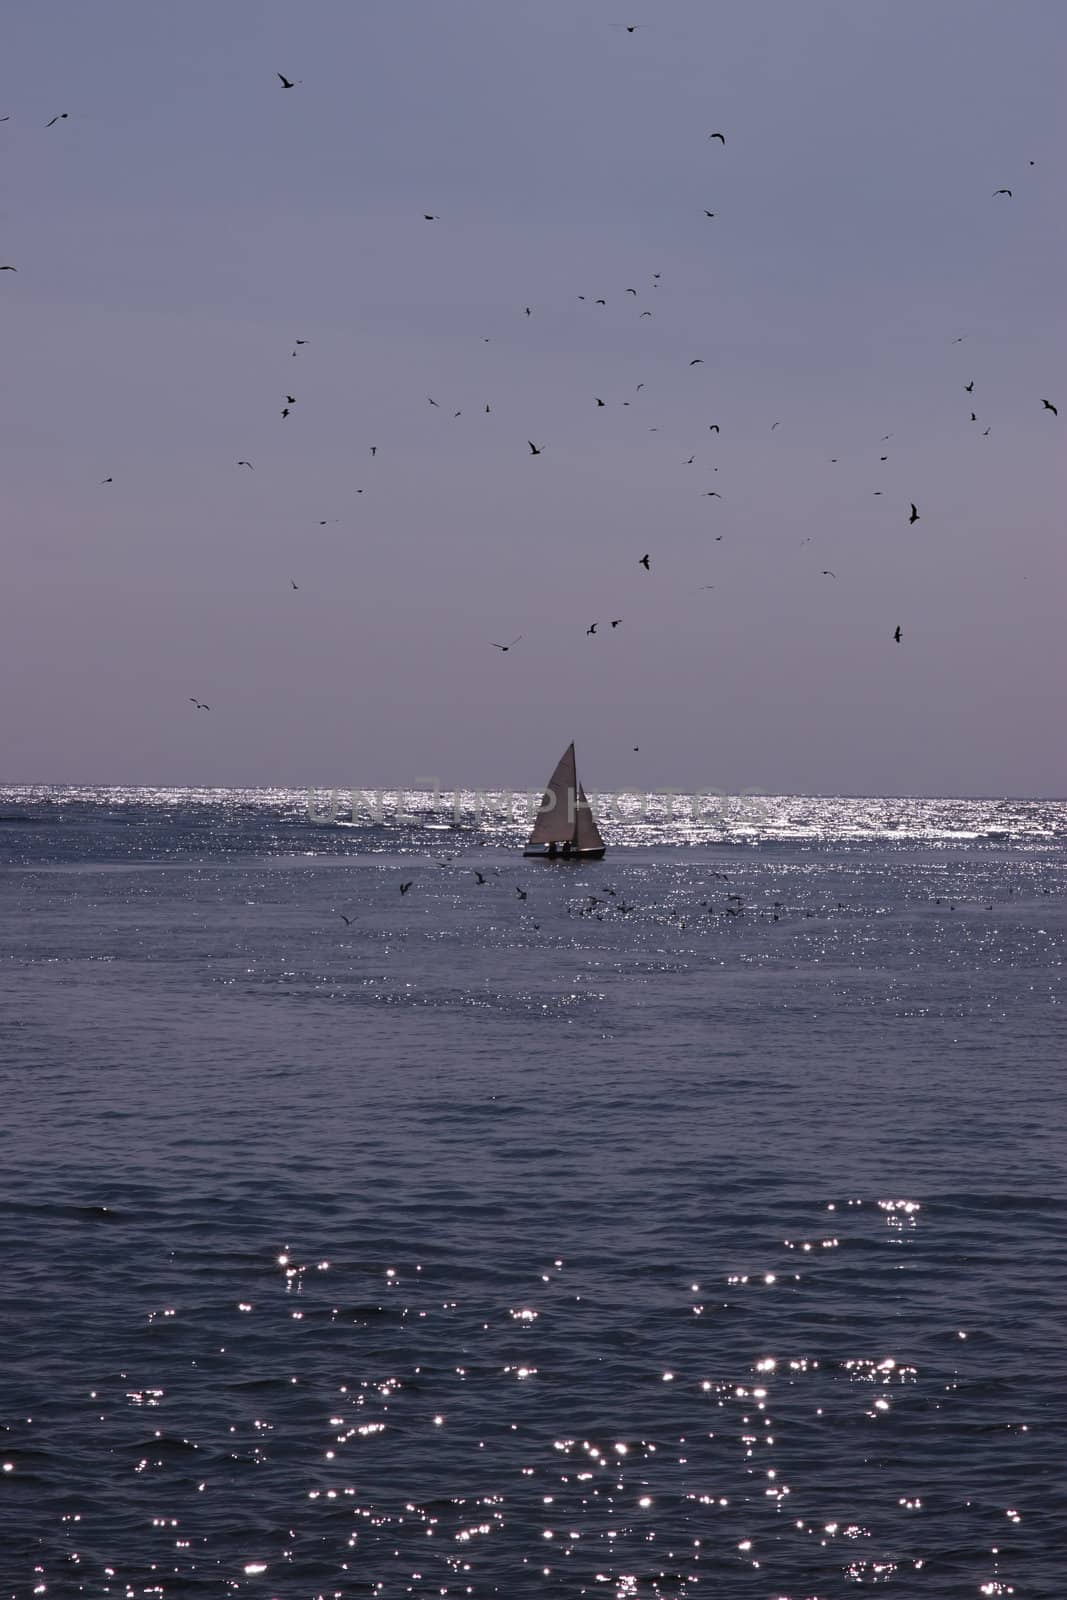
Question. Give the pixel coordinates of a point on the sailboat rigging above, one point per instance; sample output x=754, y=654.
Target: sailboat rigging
x=565, y=824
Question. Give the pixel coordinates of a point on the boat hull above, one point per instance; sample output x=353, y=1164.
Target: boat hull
x=570, y=855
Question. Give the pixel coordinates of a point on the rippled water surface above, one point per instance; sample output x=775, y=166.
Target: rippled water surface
x=582, y=1231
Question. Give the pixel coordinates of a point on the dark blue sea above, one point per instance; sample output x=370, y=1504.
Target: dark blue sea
x=582, y=1231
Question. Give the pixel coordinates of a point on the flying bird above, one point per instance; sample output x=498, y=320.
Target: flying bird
x=644, y=314
x=629, y=291
x=60, y=118
x=827, y=573
x=712, y=494
x=287, y=83
x=346, y=920
x=720, y=136
x=479, y=876
x=713, y=427
x=535, y=450
x=505, y=647
x=294, y=583
x=697, y=361
x=914, y=514
x=520, y=892
x=615, y=621
x=428, y=216
x=709, y=213
x=600, y=302
x=644, y=562
x=591, y=628
x=974, y=416
x=404, y=887
x=107, y=480
x=285, y=411
x=896, y=633
x=1008, y=192
x=247, y=464
x=199, y=704
x=432, y=402
x=598, y=400
x=1050, y=407
x=9, y=269
x=968, y=388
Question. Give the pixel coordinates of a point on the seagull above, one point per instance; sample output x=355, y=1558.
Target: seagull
x=598, y=400
x=374, y=449
x=896, y=633
x=775, y=425
x=107, y=480
x=300, y=341
x=199, y=704
x=60, y=118
x=974, y=416
x=247, y=464
x=709, y=213
x=294, y=583
x=827, y=573
x=432, y=402
x=1003, y=191
x=591, y=628
x=428, y=216
x=644, y=314
x=285, y=411
x=615, y=621
x=600, y=302
x=986, y=432
x=479, y=876
x=505, y=647
x=713, y=427
x=346, y=920
x=637, y=748
x=9, y=269
x=712, y=494
x=1050, y=407
x=629, y=291
x=697, y=361
x=968, y=388
x=520, y=892
x=720, y=136
x=404, y=887
x=287, y=83
x=914, y=514
x=535, y=450
x=689, y=463
x=644, y=562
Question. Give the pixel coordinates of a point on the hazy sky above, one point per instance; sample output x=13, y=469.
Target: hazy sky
x=190, y=219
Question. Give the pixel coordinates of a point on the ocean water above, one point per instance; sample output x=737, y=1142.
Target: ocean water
x=623, y=1239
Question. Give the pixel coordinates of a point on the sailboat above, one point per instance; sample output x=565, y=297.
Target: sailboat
x=565, y=824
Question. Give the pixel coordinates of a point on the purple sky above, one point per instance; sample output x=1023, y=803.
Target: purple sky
x=190, y=218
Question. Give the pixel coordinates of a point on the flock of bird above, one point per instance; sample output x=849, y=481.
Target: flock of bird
x=537, y=450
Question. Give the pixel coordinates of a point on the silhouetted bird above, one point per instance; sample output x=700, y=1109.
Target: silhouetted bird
x=346, y=920
x=107, y=480
x=287, y=83
x=9, y=269
x=199, y=704
x=591, y=628
x=520, y=892
x=535, y=450
x=404, y=887
x=720, y=136
x=713, y=427
x=712, y=494
x=285, y=411
x=505, y=647
x=914, y=514
x=827, y=573
x=644, y=562
x=697, y=361
x=60, y=118
x=247, y=464
x=1050, y=407
x=479, y=877
x=896, y=633
x=428, y=216
x=294, y=583
x=709, y=213
x=432, y=402
x=968, y=388
x=1003, y=191
x=644, y=314
x=598, y=400
x=615, y=621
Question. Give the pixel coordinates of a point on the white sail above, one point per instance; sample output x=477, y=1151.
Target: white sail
x=555, y=821
x=587, y=835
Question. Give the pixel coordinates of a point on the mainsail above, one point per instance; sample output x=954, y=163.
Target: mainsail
x=555, y=821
